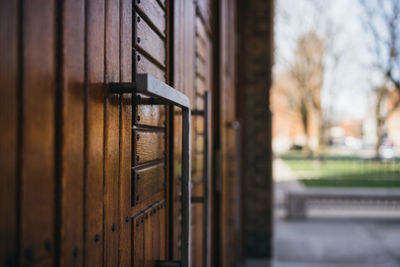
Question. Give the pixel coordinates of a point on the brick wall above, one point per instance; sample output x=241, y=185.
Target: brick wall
x=255, y=21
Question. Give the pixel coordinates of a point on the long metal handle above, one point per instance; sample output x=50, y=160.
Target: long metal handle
x=186, y=194
x=206, y=182
x=206, y=178
x=166, y=95
x=235, y=125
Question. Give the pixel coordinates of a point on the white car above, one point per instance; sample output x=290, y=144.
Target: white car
x=386, y=152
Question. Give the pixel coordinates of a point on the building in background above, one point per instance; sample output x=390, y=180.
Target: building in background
x=391, y=125
x=287, y=127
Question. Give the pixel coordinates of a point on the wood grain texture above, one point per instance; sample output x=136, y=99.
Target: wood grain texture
x=156, y=233
x=138, y=241
x=199, y=144
x=150, y=115
x=201, y=69
x=183, y=66
x=163, y=230
x=148, y=182
x=125, y=135
x=199, y=103
x=229, y=185
x=197, y=223
x=154, y=12
x=176, y=184
x=203, y=83
x=184, y=47
x=9, y=130
x=198, y=165
x=143, y=65
x=150, y=41
x=199, y=124
x=204, y=10
x=37, y=167
x=112, y=136
x=149, y=146
x=72, y=149
x=94, y=134
x=201, y=39
x=148, y=241
x=200, y=85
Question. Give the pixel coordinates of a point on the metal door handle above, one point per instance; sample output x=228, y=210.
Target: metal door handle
x=206, y=175
x=164, y=94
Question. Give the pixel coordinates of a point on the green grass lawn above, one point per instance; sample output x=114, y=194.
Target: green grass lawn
x=344, y=172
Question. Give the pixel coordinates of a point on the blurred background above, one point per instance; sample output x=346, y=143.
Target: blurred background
x=336, y=133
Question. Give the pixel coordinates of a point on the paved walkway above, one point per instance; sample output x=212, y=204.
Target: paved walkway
x=332, y=238
x=284, y=180
x=337, y=242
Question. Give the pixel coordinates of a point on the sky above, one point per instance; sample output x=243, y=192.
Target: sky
x=346, y=89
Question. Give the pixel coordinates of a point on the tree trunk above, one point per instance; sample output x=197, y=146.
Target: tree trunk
x=380, y=132
x=380, y=120
x=304, y=120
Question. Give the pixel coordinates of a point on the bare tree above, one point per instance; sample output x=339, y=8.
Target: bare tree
x=382, y=22
x=307, y=73
x=316, y=54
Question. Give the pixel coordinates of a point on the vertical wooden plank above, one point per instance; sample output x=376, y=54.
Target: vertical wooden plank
x=229, y=207
x=183, y=65
x=94, y=133
x=148, y=241
x=176, y=184
x=125, y=134
x=37, y=167
x=72, y=86
x=138, y=241
x=163, y=232
x=156, y=233
x=184, y=47
x=112, y=122
x=8, y=134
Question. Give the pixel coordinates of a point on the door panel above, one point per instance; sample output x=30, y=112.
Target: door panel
x=149, y=146
x=148, y=41
x=125, y=135
x=144, y=65
x=72, y=150
x=150, y=115
x=112, y=136
x=155, y=14
x=149, y=139
x=9, y=76
x=38, y=143
x=149, y=182
x=94, y=133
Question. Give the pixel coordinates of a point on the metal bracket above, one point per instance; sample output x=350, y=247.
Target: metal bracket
x=148, y=85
